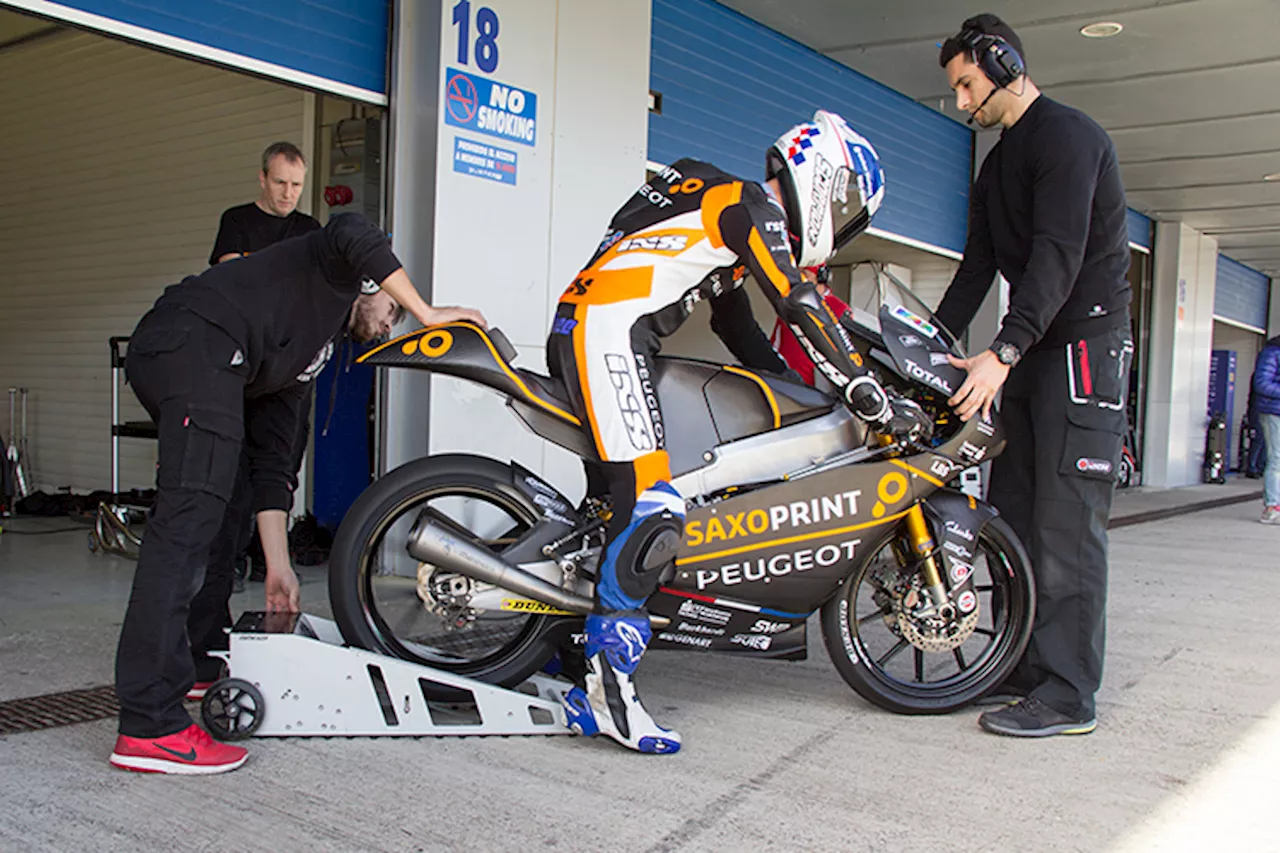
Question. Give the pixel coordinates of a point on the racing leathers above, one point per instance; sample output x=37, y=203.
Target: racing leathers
x=641, y=283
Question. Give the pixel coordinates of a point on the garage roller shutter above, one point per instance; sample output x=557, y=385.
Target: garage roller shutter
x=117, y=163
x=1241, y=295
x=730, y=86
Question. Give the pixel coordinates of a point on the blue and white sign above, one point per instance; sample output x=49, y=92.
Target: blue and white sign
x=482, y=160
x=487, y=106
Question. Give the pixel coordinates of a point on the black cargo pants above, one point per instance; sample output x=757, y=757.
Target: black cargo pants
x=182, y=370
x=1064, y=415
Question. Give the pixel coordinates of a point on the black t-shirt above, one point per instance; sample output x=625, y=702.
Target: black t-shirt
x=248, y=228
x=1048, y=212
x=287, y=303
x=284, y=306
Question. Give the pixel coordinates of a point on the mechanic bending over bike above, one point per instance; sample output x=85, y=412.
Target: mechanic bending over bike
x=824, y=183
x=222, y=360
x=1048, y=212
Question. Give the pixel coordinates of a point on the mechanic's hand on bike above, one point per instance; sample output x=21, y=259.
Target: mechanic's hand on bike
x=986, y=375
x=454, y=313
x=282, y=590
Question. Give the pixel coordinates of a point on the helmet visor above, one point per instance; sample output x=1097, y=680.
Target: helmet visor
x=849, y=216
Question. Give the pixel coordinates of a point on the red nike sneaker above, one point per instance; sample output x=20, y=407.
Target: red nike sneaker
x=189, y=752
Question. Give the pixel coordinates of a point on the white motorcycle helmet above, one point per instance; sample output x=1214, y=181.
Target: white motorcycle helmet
x=813, y=163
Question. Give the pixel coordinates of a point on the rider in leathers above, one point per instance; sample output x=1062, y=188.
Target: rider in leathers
x=824, y=182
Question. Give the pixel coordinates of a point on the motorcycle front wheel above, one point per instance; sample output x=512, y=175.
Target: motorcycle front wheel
x=374, y=584
x=871, y=653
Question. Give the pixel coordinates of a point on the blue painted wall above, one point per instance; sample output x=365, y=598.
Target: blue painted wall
x=731, y=86
x=342, y=40
x=1139, y=229
x=343, y=461
x=1241, y=293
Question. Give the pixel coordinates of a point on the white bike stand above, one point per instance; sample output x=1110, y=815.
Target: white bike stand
x=313, y=685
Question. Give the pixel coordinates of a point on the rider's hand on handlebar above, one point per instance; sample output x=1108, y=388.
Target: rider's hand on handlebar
x=890, y=414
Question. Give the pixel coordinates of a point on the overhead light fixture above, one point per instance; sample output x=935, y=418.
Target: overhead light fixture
x=1101, y=30
x=1274, y=176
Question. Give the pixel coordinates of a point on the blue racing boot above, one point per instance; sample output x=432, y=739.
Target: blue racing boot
x=609, y=705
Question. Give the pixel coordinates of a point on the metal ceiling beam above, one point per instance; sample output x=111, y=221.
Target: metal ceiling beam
x=1212, y=209
x=1137, y=78
x=1221, y=186
x=1160, y=125
x=1191, y=158
x=1019, y=27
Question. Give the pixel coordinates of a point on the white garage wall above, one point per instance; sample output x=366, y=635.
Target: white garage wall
x=117, y=162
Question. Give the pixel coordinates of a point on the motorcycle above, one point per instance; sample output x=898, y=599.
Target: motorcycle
x=483, y=568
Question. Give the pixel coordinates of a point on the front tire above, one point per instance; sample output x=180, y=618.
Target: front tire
x=873, y=658
x=373, y=582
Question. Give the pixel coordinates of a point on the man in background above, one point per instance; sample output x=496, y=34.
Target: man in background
x=274, y=215
x=1265, y=397
x=245, y=229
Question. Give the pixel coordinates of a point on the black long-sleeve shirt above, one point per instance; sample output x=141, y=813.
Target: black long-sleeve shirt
x=285, y=306
x=1047, y=212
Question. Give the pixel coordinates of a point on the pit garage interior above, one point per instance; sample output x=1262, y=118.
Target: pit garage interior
x=120, y=158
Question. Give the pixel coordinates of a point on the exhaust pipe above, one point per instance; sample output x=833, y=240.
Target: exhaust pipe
x=432, y=542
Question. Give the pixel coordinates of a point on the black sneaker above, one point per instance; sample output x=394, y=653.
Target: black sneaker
x=1032, y=718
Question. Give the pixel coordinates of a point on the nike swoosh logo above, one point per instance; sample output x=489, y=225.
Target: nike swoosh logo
x=189, y=755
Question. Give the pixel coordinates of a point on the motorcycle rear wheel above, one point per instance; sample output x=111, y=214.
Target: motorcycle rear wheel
x=873, y=658
x=373, y=584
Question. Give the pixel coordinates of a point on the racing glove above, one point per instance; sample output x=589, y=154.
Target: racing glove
x=891, y=414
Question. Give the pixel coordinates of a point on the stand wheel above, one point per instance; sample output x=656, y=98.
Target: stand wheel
x=232, y=709
x=94, y=542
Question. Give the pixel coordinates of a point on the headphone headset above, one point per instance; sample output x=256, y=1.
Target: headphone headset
x=995, y=56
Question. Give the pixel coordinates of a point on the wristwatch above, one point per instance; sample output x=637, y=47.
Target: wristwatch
x=1007, y=353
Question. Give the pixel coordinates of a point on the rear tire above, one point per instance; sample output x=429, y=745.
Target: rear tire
x=355, y=574
x=870, y=656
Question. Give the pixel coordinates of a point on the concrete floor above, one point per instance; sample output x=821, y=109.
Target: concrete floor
x=779, y=756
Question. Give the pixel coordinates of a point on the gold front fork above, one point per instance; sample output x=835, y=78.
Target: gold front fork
x=922, y=547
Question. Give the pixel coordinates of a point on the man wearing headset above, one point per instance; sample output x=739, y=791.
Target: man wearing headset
x=1048, y=213
x=823, y=184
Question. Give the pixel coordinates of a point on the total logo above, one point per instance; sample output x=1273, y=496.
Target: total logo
x=928, y=377
x=779, y=565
